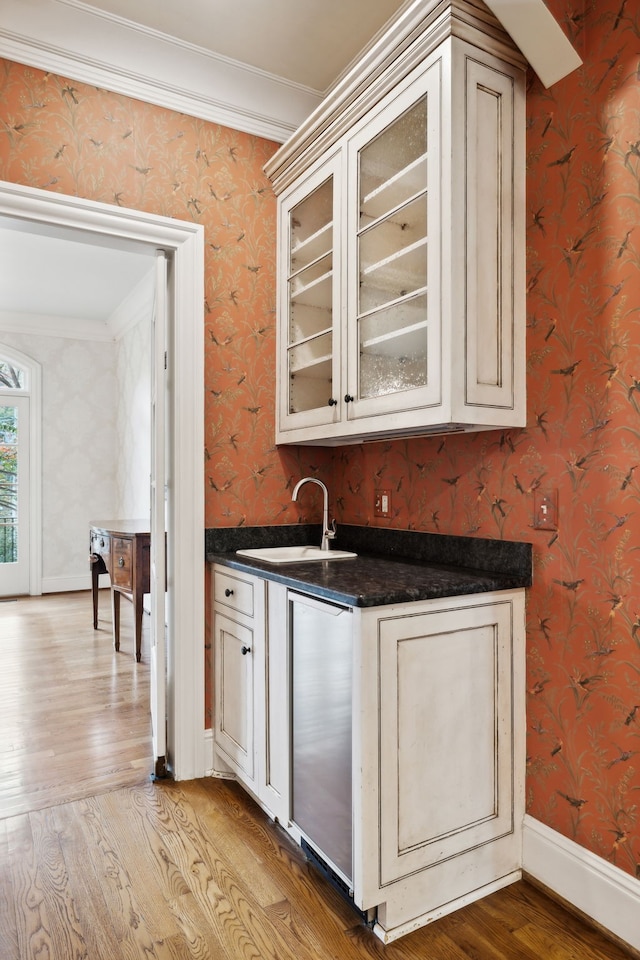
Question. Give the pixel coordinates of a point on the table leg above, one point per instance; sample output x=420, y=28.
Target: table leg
x=138, y=607
x=94, y=589
x=115, y=612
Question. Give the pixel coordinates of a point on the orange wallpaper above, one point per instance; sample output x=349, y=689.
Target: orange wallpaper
x=583, y=433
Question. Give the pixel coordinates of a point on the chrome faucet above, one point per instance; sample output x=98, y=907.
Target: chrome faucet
x=328, y=532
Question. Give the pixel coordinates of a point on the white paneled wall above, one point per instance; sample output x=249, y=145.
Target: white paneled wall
x=78, y=443
x=96, y=434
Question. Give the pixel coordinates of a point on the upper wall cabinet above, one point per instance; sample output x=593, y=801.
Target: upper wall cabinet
x=401, y=291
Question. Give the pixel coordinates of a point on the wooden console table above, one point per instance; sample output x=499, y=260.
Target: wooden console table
x=122, y=549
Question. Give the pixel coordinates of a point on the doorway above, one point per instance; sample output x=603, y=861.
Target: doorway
x=183, y=244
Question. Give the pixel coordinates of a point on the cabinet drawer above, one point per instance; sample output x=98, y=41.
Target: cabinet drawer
x=234, y=592
x=100, y=545
x=122, y=566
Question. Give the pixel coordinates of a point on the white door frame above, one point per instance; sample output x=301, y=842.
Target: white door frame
x=34, y=392
x=39, y=210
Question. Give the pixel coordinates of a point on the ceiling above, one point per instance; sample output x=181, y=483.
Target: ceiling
x=309, y=42
x=66, y=285
x=71, y=287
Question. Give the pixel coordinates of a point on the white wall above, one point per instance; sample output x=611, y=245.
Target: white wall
x=133, y=421
x=78, y=442
x=96, y=432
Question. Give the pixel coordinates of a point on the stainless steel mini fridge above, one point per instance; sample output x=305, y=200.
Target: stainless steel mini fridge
x=322, y=651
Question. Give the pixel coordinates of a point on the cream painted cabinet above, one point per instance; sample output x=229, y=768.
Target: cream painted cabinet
x=438, y=756
x=238, y=644
x=401, y=244
x=250, y=664
x=437, y=729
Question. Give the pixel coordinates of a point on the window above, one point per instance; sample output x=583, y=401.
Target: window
x=13, y=380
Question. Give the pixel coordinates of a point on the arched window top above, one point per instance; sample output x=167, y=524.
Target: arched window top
x=12, y=376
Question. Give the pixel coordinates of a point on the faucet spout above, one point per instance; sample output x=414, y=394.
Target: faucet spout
x=328, y=533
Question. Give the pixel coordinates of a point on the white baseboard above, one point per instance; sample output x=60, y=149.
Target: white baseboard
x=66, y=584
x=594, y=886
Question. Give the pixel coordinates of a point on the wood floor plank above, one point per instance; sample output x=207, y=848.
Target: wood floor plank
x=93, y=914
x=53, y=881
x=196, y=933
x=8, y=928
x=236, y=847
x=130, y=925
x=140, y=854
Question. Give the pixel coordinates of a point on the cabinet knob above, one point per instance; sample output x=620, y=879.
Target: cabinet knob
x=245, y=651
x=228, y=593
x=121, y=561
x=332, y=402
x=348, y=398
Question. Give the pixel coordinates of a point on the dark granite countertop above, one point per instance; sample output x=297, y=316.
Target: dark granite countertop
x=392, y=566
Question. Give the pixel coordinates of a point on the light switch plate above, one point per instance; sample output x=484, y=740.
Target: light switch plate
x=545, y=509
x=382, y=503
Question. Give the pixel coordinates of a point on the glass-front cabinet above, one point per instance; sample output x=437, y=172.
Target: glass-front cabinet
x=309, y=349
x=392, y=299
x=401, y=254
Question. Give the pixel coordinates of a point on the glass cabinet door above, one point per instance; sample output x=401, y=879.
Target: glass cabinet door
x=392, y=345
x=310, y=289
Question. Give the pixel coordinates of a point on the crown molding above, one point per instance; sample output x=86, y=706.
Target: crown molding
x=51, y=325
x=77, y=41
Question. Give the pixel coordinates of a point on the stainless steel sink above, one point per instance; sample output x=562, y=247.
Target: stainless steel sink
x=294, y=554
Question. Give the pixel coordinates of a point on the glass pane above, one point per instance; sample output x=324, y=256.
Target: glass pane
x=310, y=294
x=393, y=256
x=310, y=321
x=10, y=376
x=8, y=484
x=393, y=348
x=310, y=374
x=311, y=227
x=393, y=167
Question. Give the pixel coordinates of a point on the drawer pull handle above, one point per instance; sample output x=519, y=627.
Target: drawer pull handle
x=228, y=593
x=245, y=651
x=121, y=561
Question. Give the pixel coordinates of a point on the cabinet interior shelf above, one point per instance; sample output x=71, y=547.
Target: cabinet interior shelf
x=409, y=181
x=314, y=336
x=316, y=368
x=408, y=341
x=399, y=269
x=315, y=246
x=317, y=293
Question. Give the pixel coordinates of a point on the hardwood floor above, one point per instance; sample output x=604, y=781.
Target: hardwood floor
x=195, y=870
x=97, y=869
x=74, y=714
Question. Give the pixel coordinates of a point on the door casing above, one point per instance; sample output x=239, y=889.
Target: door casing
x=36, y=210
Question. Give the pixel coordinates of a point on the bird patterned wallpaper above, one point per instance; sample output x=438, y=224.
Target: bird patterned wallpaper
x=582, y=440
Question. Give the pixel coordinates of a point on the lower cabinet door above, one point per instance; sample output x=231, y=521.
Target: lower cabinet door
x=446, y=723
x=234, y=695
